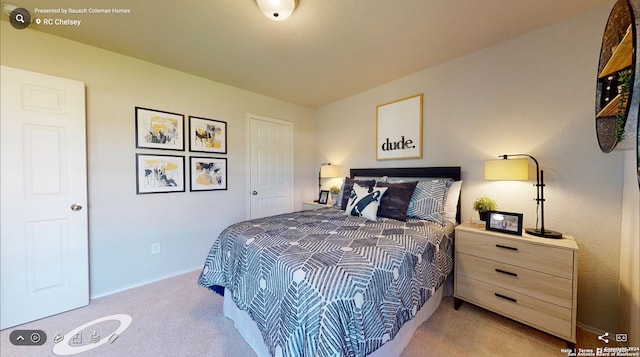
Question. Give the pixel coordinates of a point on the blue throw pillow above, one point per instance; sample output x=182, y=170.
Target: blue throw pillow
x=396, y=200
x=346, y=189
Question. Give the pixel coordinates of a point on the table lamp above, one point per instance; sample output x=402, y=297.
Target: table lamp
x=518, y=169
x=326, y=171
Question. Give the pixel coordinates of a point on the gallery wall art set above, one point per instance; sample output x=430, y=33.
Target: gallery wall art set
x=161, y=130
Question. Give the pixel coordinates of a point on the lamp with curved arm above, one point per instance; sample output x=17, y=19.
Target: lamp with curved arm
x=542, y=231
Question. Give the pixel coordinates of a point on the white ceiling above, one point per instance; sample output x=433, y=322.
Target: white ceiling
x=327, y=50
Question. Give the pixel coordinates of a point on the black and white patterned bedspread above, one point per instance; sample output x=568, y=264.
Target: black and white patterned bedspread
x=321, y=283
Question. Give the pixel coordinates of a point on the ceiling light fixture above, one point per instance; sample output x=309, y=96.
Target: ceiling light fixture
x=277, y=10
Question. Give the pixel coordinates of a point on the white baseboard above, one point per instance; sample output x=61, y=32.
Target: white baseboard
x=93, y=297
x=588, y=328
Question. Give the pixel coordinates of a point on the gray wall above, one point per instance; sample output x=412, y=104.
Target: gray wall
x=123, y=225
x=532, y=94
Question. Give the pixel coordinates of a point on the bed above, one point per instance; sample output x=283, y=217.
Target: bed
x=338, y=281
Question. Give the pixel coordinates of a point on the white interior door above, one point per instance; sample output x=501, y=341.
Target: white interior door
x=271, y=166
x=44, y=236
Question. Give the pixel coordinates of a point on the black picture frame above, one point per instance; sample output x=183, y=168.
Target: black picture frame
x=207, y=135
x=324, y=197
x=158, y=129
x=159, y=173
x=504, y=222
x=208, y=173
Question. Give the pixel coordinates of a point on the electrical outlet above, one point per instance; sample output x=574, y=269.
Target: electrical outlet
x=155, y=248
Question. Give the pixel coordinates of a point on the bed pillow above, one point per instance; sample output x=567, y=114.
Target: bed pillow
x=364, y=202
x=346, y=189
x=451, y=202
x=395, y=202
x=428, y=201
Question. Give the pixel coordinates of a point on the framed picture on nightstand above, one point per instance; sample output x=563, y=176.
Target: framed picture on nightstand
x=505, y=222
x=324, y=197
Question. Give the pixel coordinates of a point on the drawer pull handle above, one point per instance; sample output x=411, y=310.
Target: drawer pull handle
x=506, y=272
x=505, y=297
x=505, y=247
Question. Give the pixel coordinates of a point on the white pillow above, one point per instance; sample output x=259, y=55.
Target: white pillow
x=451, y=202
x=364, y=202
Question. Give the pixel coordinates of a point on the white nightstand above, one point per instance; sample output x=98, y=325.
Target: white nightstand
x=313, y=205
x=529, y=279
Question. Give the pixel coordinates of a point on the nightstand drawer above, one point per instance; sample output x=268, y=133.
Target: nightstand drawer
x=545, y=259
x=537, y=313
x=550, y=288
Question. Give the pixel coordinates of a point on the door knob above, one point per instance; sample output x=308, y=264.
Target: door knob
x=76, y=207
x=254, y=193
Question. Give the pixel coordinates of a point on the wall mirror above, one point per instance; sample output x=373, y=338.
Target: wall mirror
x=617, y=103
x=615, y=116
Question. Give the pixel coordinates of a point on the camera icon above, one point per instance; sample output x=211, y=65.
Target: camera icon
x=621, y=337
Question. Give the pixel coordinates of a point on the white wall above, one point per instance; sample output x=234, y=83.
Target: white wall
x=532, y=94
x=630, y=233
x=122, y=224
x=629, y=253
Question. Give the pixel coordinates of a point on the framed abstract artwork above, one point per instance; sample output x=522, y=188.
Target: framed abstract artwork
x=208, y=173
x=157, y=129
x=159, y=173
x=399, y=129
x=207, y=135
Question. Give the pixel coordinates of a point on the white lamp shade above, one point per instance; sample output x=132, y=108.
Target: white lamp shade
x=328, y=171
x=277, y=10
x=506, y=170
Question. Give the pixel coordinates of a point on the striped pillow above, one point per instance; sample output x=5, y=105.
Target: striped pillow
x=428, y=200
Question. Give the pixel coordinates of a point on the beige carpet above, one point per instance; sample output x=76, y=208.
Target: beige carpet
x=176, y=317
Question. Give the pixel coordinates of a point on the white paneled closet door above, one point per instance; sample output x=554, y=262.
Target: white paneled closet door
x=271, y=166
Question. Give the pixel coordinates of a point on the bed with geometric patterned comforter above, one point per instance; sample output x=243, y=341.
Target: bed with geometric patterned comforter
x=322, y=283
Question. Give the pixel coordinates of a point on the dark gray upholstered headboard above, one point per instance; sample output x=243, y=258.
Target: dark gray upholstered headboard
x=453, y=172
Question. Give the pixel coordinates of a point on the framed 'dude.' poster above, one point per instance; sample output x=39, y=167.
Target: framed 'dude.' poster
x=207, y=135
x=399, y=129
x=157, y=129
x=208, y=173
x=159, y=173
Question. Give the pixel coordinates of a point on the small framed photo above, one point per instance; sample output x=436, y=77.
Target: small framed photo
x=207, y=135
x=324, y=197
x=159, y=173
x=208, y=173
x=156, y=129
x=505, y=222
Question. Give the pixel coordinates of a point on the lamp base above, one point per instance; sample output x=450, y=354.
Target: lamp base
x=544, y=234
